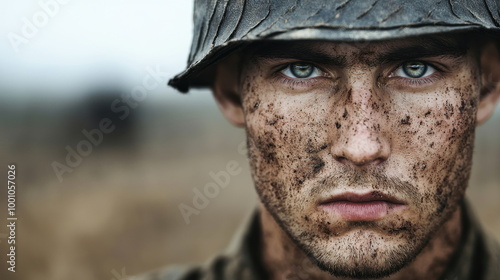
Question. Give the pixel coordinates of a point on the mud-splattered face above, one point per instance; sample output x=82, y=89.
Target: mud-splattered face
x=360, y=154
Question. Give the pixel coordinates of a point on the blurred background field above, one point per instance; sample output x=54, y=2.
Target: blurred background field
x=117, y=212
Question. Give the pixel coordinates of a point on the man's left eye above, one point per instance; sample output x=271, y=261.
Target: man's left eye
x=414, y=70
x=301, y=70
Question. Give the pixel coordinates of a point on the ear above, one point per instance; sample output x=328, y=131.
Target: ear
x=490, y=82
x=226, y=90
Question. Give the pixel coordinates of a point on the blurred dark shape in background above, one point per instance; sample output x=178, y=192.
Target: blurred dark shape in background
x=97, y=106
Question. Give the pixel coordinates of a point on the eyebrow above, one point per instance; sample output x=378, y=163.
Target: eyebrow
x=424, y=48
x=428, y=48
x=299, y=52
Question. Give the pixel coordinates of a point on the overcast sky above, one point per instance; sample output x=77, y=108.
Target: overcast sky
x=85, y=41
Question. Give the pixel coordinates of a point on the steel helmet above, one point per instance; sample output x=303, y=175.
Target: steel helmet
x=221, y=26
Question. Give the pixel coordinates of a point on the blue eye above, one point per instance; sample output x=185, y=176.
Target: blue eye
x=414, y=70
x=301, y=70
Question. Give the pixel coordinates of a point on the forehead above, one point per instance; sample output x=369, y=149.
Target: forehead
x=374, y=51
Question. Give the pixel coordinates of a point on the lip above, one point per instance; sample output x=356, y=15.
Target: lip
x=361, y=207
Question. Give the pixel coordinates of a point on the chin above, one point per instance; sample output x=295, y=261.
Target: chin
x=363, y=254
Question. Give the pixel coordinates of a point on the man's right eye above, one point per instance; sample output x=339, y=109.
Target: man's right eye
x=301, y=70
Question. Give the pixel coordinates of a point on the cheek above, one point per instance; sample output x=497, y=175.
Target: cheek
x=437, y=142
x=284, y=132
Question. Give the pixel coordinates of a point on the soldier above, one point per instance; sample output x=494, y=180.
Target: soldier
x=360, y=119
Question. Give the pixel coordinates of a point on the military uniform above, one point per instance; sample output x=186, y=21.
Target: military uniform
x=476, y=258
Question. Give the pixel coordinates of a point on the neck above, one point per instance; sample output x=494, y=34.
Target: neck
x=284, y=260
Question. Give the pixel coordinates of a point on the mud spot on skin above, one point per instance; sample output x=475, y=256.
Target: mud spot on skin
x=338, y=125
x=406, y=229
x=254, y=107
x=318, y=164
x=423, y=166
x=448, y=110
x=267, y=147
x=406, y=121
x=311, y=149
x=461, y=109
x=275, y=120
x=325, y=229
x=314, y=166
x=299, y=181
x=395, y=230
x=344, y=115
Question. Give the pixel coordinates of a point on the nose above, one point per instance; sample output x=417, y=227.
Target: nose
x=361, y=145
x=363, y=139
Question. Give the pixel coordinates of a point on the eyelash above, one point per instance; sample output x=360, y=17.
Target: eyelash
x=419, y=82
x=307, y=82
x=296, y=82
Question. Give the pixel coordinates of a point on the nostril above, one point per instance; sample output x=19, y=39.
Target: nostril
x=345, y=160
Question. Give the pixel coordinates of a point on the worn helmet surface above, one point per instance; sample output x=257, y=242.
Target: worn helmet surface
x=221, y=26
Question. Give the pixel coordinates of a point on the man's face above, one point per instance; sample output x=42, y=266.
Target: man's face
x=361, y=153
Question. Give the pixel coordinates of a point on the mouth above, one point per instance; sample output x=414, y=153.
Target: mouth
x=370, y=206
